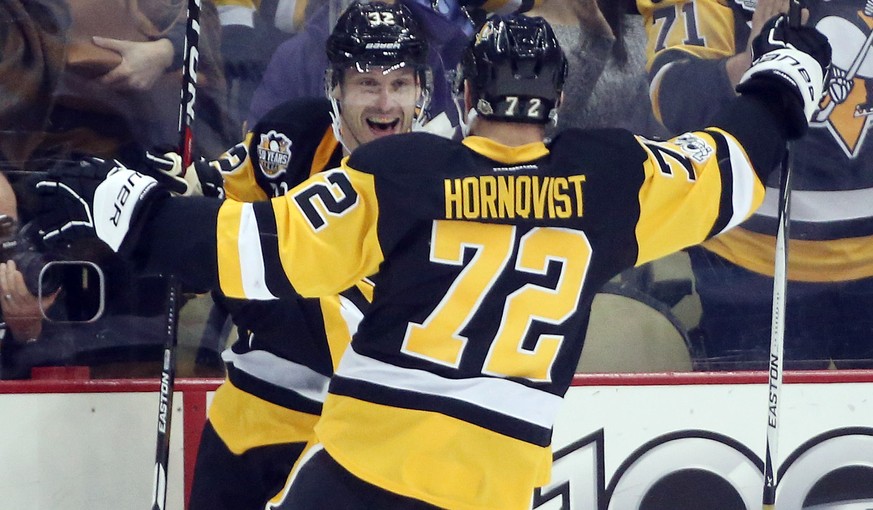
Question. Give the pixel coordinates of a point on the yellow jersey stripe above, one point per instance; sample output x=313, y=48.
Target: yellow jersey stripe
x=244, y=421
x=505, y=154
x=229, y=267
x=323, y=152
x=808, y=261
x=383, y=446
x=341, y=319
x=254, y=280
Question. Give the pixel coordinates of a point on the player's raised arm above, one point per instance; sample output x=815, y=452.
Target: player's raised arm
x=734, y=154
x=786, y=78
x=778, y=93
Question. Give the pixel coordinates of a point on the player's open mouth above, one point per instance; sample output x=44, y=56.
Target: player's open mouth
x=381, y=126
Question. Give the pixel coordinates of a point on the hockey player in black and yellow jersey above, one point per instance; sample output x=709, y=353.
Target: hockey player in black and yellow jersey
x=278, y=370
x=486, y=255
x=697, y=52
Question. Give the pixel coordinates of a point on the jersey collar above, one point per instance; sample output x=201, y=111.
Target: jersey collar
x=504, y=153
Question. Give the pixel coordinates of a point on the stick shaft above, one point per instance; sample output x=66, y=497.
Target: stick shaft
x=777, y=335
x=189, y=82
x=168, y=370
x=165, y=404
x=777, y=324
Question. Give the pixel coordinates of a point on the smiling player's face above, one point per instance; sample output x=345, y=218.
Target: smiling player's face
x=376, y=104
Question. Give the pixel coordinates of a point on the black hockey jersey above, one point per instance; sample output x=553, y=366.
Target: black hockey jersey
x=278, y=370
x=490, y=257
x=832, y=198
x=485, y=260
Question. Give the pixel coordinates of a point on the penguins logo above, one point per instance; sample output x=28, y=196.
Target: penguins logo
x=274, y=154
x=847, y=106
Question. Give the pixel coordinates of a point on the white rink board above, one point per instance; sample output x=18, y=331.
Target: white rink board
x=84, y=451
x=656, y=430
x=95, y=450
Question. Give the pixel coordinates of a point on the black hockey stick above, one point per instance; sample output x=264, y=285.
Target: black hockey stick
x=777, y=325
x=165, y=405
x=189, y=83
x=168, y=371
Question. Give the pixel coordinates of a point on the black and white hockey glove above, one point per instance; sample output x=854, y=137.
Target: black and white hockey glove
x=94, y=197
x=202, y=178
x=791, y=62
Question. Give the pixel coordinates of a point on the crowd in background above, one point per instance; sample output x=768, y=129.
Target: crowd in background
x=104, y=78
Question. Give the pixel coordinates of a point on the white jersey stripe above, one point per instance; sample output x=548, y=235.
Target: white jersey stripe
x=251, y=257
x=280, y=372
x=744, y=179
x=500, y=395
x=351, y=314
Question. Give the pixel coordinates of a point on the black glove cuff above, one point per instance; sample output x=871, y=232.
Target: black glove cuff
x=130, y=248
x=784, y=99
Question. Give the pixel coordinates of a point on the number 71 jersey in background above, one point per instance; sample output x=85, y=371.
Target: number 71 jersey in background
x=486, y=259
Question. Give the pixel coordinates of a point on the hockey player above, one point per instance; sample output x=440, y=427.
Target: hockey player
x=486, y=255
x=830, y=270
x=278, y=370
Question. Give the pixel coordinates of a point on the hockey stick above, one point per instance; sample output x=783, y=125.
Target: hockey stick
x=189, y=83
x=165, y=405
x=777, y=325
x=168, y=371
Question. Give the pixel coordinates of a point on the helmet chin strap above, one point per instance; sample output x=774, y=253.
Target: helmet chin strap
x=337, y=124
x=420, y=118
x=464, y=121
x=467, y=121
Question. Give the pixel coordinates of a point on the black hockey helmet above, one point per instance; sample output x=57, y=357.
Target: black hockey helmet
x=375, y=34
x=516, y=68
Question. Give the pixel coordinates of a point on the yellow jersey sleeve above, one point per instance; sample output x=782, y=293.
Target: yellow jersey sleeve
x=317, y=240
x=239, y=176
x=683, y=175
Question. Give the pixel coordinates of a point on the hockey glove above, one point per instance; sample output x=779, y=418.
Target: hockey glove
x=789, y=63
x=94, y=197
x=202, y=178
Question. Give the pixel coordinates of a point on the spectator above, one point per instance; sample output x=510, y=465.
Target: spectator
x=20, y=310
x=250, y=32
x=103, y=78
x=112, y=88
x=486, y=254
x=38, y=29
x=699, y=52
x=605, y=45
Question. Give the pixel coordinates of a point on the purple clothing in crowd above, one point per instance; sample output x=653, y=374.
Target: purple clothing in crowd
x=297, y=67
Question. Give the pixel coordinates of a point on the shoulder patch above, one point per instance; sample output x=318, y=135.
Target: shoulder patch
x=695, y=147
x=274, y=153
